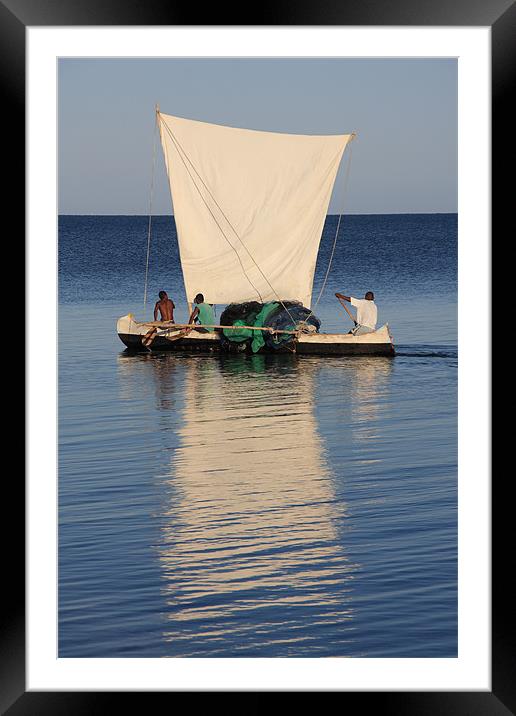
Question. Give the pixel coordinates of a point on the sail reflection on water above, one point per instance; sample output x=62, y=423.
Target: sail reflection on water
x=360, y=398
x=250, y=548
x=369, y=390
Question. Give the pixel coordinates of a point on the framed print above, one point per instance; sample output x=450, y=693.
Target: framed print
x=173, y=557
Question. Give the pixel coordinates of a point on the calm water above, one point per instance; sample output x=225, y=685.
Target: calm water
x=259, y=506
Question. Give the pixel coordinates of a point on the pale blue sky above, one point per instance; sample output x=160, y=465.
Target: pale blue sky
x=403, y=110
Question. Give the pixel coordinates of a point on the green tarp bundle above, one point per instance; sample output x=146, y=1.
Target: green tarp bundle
x=258, y=339
x=239, y=336
x=252, y=319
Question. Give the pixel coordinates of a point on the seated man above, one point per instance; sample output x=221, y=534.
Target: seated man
x=165, y=306
x=203, y=313
x=367, y=312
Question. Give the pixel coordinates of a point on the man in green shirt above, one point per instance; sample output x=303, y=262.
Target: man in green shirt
x=203, y=314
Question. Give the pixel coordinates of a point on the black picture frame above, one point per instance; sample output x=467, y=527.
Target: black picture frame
x=500, y=16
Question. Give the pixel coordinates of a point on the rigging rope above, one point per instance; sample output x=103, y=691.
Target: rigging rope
x=150, y=215
x=177, y=144
x=346, y=177
x=181, y=151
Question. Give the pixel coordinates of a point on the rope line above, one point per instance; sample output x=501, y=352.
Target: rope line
x=346, y=178
x=181, y=151
x=178, y=144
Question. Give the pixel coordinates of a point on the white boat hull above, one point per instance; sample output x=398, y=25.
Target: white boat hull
x=379, y=342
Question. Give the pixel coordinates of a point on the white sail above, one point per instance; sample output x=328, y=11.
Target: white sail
x=249, y=208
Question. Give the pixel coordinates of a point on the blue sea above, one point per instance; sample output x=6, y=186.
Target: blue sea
x=259, y=506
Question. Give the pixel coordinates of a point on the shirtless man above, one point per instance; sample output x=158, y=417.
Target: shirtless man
x=165, y=306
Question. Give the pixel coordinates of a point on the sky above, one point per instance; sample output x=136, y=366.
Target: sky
x=404, y=112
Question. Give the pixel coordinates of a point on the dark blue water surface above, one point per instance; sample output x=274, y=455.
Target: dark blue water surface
x=259, y=506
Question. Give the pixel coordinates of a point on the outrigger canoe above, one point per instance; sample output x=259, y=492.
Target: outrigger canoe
x=167, y=336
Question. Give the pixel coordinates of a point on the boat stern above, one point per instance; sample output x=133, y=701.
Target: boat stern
x=391, y=338
x=129, y=332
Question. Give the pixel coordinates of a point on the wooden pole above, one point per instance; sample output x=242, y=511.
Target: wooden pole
x=348, y=311
x=168, y=324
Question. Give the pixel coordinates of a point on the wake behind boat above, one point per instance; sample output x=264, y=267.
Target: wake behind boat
x=249, y=208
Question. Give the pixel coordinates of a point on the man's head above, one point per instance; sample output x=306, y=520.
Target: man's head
x=369, y=296
x=162, y=295
x=199, y=298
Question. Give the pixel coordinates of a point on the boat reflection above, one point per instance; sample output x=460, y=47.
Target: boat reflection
x=250, y=547
x=253, y=520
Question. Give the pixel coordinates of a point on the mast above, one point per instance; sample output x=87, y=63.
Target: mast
x=158, y=122
x=150, y=213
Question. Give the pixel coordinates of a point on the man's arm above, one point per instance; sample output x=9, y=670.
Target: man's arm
x=193, y=315
x=156, y=311
x=343, y=298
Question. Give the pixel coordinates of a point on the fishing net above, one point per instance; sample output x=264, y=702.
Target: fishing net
x=240, y=312
x=290, y=317
x=286, y=316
